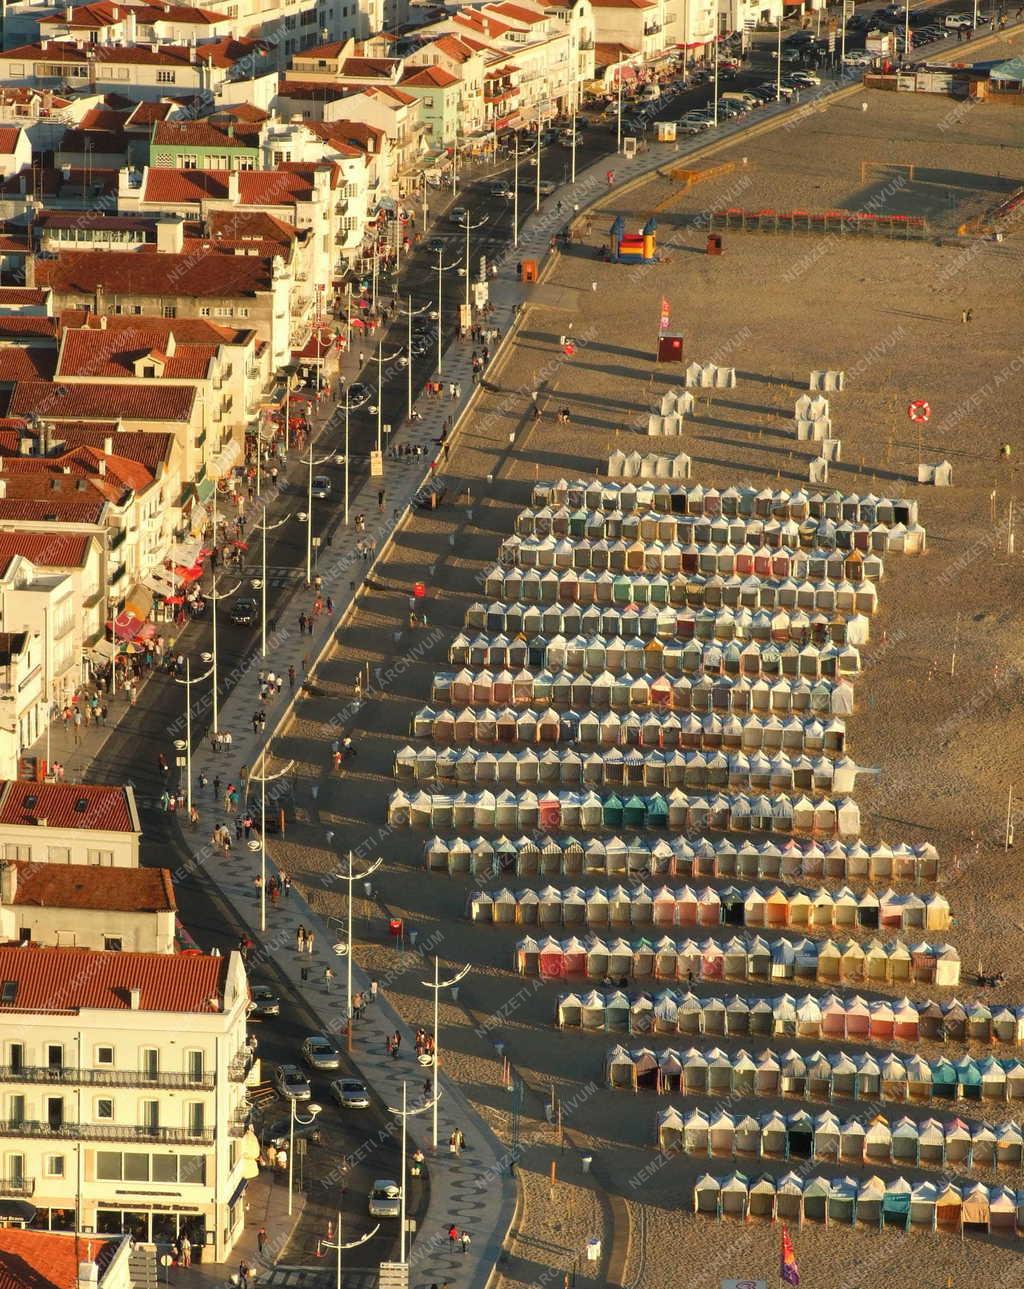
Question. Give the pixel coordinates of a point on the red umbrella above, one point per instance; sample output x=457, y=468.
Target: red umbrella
x=242, y=546
x=174, y=599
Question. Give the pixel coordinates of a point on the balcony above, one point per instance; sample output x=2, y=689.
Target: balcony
x=101, y=1078
x=18, y=1187
x=653, y=29
x=587, y=44
x=118, y=538
x=111, y=1132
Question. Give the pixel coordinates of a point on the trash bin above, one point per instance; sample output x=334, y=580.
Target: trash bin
x=413, y=937
x=714, y=246
x=529, y=273
x=586, y=1161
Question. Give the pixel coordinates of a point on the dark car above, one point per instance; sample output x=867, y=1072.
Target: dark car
x=244, y=611
x=263, y=1002
x=358, y=394
x=436, y=245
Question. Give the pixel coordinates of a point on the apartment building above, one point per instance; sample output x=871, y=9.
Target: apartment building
x=122, y=1077
x=125, y=910
x=57, y=1260
x=15, y=150
x=106, y=22
x=467, y=60
x=69, y=823
x=439, y=93
x=203, y=145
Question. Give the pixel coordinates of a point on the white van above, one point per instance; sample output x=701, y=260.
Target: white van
x=650, y=94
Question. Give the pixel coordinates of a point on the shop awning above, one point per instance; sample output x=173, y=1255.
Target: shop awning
x=139, y=601
x=204, y=489
x=131, y=629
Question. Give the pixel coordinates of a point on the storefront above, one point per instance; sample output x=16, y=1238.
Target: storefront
x=155, y=1223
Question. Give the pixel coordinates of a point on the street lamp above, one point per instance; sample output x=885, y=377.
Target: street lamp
x=309, y=512
x=537, y=177
x=778, y=60
x=410, y=313
x=188, y=682
x=264, y=779
x=470, y=228
x=350, y=878
x=294, y=1119
x=715, y=118
x=216, y=595
x=380, y=360
x=437, y=985
x=441, y=268
x=260, y=583
x=405, y=1114
x=337, y=1245
x=515, y=192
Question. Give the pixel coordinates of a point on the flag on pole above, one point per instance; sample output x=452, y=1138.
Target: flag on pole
x=789, y=1272
x=664, y=324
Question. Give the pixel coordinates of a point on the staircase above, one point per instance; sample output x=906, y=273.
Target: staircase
x=142, y=1267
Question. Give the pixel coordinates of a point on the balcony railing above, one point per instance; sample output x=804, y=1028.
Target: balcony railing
x=102, y=1078
x=18, y=1187
x=240, y=1065
x=111, y=1132
x=586, y=44
x=118, y=538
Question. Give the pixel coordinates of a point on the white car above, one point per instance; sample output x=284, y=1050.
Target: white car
x=547, y=187
x=350, y=1094
x=321, y=486
x=958, y=20
x=385, y=1199
x=320, y=1054
x=858, y=58
x=805, y=78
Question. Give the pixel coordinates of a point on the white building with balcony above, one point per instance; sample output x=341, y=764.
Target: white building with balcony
x=69, y=823
x=123, y=1090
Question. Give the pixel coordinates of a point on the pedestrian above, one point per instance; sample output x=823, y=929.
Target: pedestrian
x=328, y=978
x=261, y=1238
x=271, y=1156
x=243, y=1275
x=396, y=1043
x=186, y=1251
x=453, y=1142
x=286, y=883
x=380, y=499
x=291, y=676
x=453, y=1235
x=302, y=624
x=309, y=943
x=465, y=1237
x=373, y=991
x=300, y=939
x=193, y=816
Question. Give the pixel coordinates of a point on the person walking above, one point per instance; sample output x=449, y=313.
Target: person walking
x=300, y=940
x=466, y=1239
x=380, y=499
x=261, y=1238
x=186, y=1251
x=328, y=978
x=453, y=1236
x=309, y=943
x=396, y=1043
x=243, y=1275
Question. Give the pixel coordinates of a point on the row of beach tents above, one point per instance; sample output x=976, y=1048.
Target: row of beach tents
x=818, y=1076
x=693, y=589
x=971, y=1208
x=741, y=958
x=855, y=1140
x=675, y=810
x=665, y=907
x=699, y=694
x=695, y=499
x=665, y=730
x=651, y=622
x=680, y=857
x=633, y=769
x=616, y=656
x=582, y=553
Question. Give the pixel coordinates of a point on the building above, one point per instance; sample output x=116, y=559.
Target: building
x=201, y=145
x=438, y=92
x=69, y=823
x=42, y=669
x=15, y=149
x=52, y=1260
x=123, y=1081
x=77, y=906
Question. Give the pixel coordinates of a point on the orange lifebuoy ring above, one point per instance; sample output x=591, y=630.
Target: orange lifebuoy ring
x=919, y=410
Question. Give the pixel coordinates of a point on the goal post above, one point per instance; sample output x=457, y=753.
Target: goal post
x=890, y=167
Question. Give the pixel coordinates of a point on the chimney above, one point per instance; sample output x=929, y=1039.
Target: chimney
x=170, y=236
x=233, y=191
x=103, y=322
x=134, y=1002
x=25, y=445
x=69, y=13
x=3, y=489
x=97, y=301
x=30, y=271
x=88, y=1275
x=108, y=446
x=8, y=883
x=102, y=467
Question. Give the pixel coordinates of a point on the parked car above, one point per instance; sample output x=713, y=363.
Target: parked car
x=385, y=1199
x=954, y=20
x=263, y=1002
x=803, y=79
x=292, y=1083
x=321, y=487
x=858, y=58
x=320, y=1054
x=797, y=38
x=244, y=611
x=350, y=1094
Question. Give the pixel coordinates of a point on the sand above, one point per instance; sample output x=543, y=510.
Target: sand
x=947, y=738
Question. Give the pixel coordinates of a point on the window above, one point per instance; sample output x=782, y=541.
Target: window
x=113, y=942
x=55, y=1165
x=192, y=1168
x=165, y=1168
x=194, y=1064
x=169, y=311
x=105, y=1108
x=136, y=1167
x=16, y=1169
x=136, y=308
x=109, y=1166
x=14, y=850
x=58, y=854
x=149, y=1114
x=242, y=313
x=188, y=162
x=196, y=1117
x=17, y=1108
x=66, y=939
x=105, y=858
x=17, y=1051
x=204, y=310
x=165, y=77
x=150, y=1062
x=55, y=1056
x=104, y=1056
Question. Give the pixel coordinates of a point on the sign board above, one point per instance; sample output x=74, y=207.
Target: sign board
x=480, y=294
x=376, y=464
x=629, y=148
x=848, y=8
x=465, y=317
x=831, y=42
x=394, y=1275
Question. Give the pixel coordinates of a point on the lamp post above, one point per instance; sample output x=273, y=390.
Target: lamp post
x=337, y=1245
x=309, y=513
x=380, y=360
x=778, y=60
x=216, y=595
x=404, y=1114
x=715, y=118
x=188, y=682
x=410, y=313
x=470, y=228
x=437, y=985
x=618, y=128
x=441, y=269
x=350, y=878
x=294, y=1119
x=261, y=583
x=265, y=778
x=536, y=206
x=573, y=127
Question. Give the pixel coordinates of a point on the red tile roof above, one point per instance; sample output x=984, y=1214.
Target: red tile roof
x=25, y=362
x=258, y=225
x=429, y=77
x=94, y=16
x=185, y=185
x=201, y=134
x=242, y=112
x=144, y=114
x=45, y=1259
x=130, y=273
x=55, y=509
x=9, y=136
x=21, y=295
x=152, y=13
x=70, y=980
x=454, y=47
x=187, y=331
x=83, y=886
x=365, y=67
x=111, y=809
x=88, y=351
x=96, y=402
x=48, y=550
